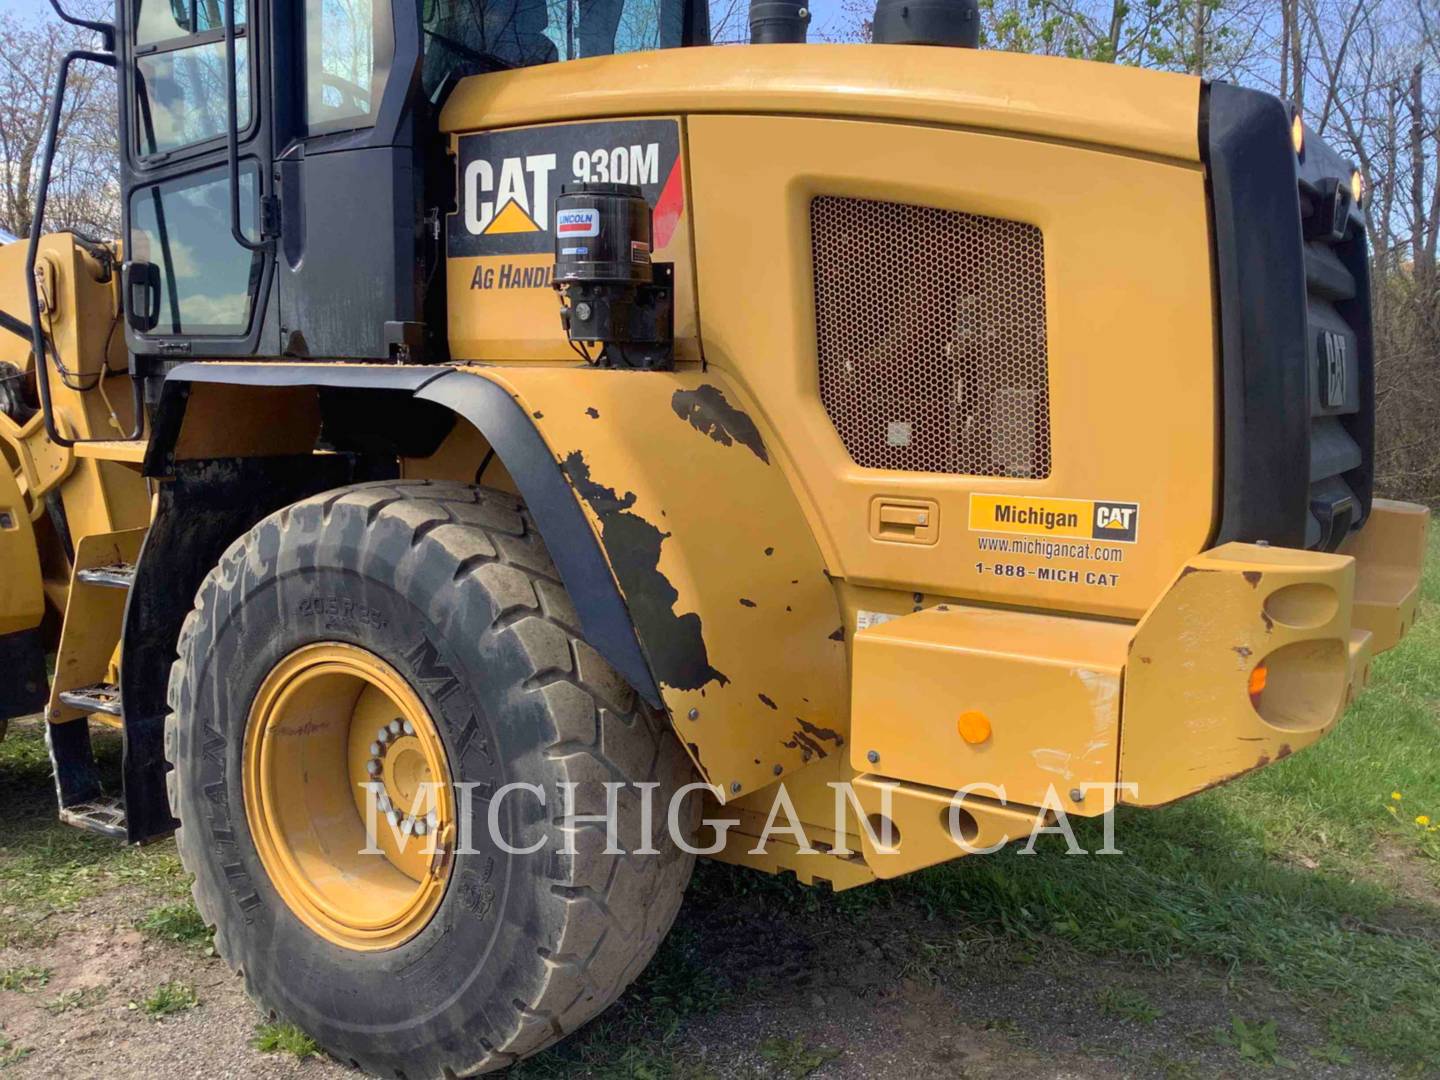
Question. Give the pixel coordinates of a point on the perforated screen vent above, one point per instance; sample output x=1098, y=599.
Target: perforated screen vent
x=930, y=326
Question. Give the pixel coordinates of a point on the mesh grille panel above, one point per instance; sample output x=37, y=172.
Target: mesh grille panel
x=930, y=326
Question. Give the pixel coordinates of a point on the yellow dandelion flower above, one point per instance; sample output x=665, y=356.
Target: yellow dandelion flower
x=1423, y=819
x=1395, y=795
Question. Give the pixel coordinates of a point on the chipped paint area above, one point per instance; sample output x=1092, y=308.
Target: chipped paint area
x=708, y=412
x=673, y=642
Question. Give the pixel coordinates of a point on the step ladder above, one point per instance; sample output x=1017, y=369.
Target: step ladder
x=86, y=687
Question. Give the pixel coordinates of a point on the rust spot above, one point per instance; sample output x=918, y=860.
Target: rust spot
x=828, y=734
x=765, y=700
x=1264, y=760
x=593, y=413
x=538, y=414
x=1283, y=752
x=1253, y=577
x=1242, y=651
x=787, y=607
x=746, y=603
x=838, y=635
x=794, y=581
x=1145, y=660
x=1269, y=622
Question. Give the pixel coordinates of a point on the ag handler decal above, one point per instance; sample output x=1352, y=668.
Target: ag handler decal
x=508, y=180
x=1090, y=519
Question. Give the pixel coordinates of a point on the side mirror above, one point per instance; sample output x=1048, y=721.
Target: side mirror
x=140, y=293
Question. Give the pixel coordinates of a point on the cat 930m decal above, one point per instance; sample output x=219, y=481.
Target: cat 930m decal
x=508, y=180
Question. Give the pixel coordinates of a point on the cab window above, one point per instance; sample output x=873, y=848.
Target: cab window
x=463, y=37
x=348, y=46
x=207, y=281
x=180, y=73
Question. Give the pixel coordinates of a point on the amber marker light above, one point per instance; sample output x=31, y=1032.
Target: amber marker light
x=1297, y=133
x=1258, y=678
x=974, y=726
x=1357, y=187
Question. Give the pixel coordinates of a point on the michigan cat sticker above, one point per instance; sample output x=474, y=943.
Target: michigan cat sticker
x=1088, y=519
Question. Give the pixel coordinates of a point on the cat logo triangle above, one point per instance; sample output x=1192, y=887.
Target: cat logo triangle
x=511, y=219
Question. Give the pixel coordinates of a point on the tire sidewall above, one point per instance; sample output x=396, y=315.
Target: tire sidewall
x=467, y=680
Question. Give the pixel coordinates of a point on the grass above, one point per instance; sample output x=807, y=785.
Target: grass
x=794, y=1058
x=179, y=923
x=11, y=1053
x=46, y=867
x=284, y=1038
x=25, y=977
x=83, y=997
x=1123, y=1003
x=167, y=999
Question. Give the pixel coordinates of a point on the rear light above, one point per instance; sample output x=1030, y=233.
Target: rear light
x=1258, y=678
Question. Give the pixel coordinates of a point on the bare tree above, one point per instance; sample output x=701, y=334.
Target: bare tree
x=85, y=188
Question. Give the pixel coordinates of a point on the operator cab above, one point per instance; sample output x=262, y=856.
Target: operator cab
x=316, y=234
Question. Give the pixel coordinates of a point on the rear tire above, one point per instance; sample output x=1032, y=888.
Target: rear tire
x=451, y=587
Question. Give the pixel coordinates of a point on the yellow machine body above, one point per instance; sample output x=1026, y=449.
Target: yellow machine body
x=1029, y=639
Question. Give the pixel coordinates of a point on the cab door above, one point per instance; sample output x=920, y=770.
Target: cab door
x=193, y=289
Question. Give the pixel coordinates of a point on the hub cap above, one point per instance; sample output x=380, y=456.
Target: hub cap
x=336, y=736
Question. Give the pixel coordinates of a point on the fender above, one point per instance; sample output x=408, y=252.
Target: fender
x=503, y=423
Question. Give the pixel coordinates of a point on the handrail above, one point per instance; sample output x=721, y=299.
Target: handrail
x=38, y=344
x=104, y=29
x=232, y=137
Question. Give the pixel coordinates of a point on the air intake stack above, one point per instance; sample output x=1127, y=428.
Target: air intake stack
x=925, y=22
x=779, y=22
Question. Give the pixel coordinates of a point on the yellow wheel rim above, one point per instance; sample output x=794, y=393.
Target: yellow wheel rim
x=336, y=739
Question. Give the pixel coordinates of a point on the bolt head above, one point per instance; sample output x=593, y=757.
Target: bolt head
x=382, y=736
x=375, y=749
x=396, y=727
x=421, y=827
x=409, y=728
x=694, y=714
x=735, y=787
x=1076, y=795
x=372, y=767
x=872, y=756
x=778, y=769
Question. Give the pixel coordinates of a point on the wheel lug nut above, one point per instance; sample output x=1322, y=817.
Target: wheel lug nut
x=375, y=749
x=383, y=735
x=393, y=816
x=408, y=728
x=420, y=828
x=396, y=727
x=432, y=819
x=373, y=767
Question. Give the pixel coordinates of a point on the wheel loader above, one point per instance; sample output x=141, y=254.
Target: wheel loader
x=513, y=447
